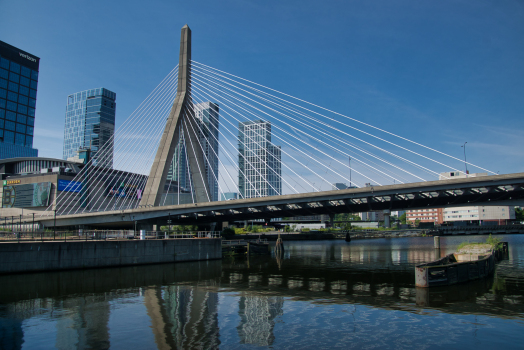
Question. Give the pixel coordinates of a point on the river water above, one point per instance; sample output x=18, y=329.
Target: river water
x=320, y=295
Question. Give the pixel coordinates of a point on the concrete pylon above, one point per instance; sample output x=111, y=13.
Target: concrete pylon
x=181, y=110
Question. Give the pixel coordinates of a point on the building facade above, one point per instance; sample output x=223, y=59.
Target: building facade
x=434, y=215
x=260, y=164
x=206, y=115
x=90, y=124
x=18, y=87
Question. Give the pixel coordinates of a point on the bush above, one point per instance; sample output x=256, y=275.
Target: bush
x=228, y=233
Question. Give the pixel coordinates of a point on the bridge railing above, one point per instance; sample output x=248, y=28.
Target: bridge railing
x=99, y=235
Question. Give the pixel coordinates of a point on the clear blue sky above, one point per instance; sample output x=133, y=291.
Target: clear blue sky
x=438, y=72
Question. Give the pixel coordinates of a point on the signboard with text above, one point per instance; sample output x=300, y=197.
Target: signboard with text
x=69, y=186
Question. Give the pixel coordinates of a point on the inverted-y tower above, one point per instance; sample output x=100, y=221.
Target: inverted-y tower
x=181, y=111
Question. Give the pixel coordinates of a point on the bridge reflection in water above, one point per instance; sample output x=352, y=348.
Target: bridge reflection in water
x=185, y=304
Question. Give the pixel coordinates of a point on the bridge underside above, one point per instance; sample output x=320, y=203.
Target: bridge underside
x=489, y=190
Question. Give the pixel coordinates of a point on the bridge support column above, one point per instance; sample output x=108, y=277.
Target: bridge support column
x=387, y=214
x=331, y=220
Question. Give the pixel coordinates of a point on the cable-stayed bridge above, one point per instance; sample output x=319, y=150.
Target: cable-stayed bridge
x=204, y=133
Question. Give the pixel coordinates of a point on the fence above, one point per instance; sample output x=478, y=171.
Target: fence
x=104, y=235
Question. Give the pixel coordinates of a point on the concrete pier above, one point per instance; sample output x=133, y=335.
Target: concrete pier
x=53, y=256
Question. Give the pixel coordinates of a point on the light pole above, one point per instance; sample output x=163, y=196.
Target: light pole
x=349, y=172
x=465, y=163
x=54, y=227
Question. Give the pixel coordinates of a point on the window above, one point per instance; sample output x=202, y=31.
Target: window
x=3, y=93
x=26, y=72
x=10, y=116
x=23, y=90
x=9, y=125
x=29, y=141
x=34, y=75
x=32, y=102
x=15, y=67
x=21, y=119
x=11, y=106
x=32, y=93
x=20, y=139
x=14, y=77
x=24, y=81
x=4, y=63
x=30, y=121
x=9, y=137
x=20, y=128
x=22, y=109
x=33, y=84
x=12, y=96
x=23, y=99
x=3, y=83
x=13, y=86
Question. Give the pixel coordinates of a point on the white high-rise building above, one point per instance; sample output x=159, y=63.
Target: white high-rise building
x=259, y=161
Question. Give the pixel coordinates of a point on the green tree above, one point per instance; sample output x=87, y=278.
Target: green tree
x=402, y=218
x=519, y=213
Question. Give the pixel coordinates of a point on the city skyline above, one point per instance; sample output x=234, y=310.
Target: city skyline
x=457, y=83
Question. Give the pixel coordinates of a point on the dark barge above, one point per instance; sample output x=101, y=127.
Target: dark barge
x=459, y=267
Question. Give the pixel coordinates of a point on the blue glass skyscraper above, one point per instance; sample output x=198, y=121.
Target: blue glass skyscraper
x=90, y=124
x=18, y=85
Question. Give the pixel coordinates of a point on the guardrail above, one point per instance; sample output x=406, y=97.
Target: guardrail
x=104, y=235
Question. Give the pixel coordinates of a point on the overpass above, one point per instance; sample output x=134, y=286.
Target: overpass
x=505, y=189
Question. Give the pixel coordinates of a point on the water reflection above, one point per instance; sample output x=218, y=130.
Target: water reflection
x=190, y=305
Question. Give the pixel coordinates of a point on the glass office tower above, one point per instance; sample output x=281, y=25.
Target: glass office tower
x=259, y=161
x=90, y=124
x=18, y=86
x=206, y=114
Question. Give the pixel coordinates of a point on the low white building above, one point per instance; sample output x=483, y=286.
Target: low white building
x=499, y=214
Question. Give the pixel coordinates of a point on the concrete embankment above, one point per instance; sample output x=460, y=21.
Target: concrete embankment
x=52, y=256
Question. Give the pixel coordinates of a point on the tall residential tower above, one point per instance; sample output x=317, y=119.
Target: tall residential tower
x=90, y=124
x=259, y=161
x=18, y=85
x=206, y=115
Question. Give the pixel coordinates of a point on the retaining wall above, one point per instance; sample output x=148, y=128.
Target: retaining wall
x=49, y=256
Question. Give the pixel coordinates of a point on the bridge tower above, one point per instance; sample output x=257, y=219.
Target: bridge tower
x=181, y=110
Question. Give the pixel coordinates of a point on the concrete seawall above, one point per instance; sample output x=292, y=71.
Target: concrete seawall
x=53, y=256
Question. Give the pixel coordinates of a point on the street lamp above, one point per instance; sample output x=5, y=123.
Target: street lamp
x=349, y=172
x=465, y=163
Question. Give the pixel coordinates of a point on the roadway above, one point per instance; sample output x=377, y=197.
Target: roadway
x=505, y=189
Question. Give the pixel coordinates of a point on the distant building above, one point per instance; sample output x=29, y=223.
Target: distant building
x=372, y=216
x=474, y=215
x=90, y=124
x=206, y=114
x=434, y=215
x=260, y=165
x=226, y=196
x=18, y=86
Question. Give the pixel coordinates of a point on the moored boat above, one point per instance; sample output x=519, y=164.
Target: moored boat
x=469, y=263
